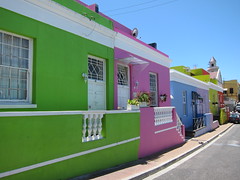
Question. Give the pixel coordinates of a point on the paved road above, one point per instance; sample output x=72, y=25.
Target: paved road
x=220, y=160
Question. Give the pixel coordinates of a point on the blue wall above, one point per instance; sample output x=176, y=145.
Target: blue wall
x=177, y=101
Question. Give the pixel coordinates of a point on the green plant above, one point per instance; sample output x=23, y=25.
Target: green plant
x=143, y=97
x=133, y=102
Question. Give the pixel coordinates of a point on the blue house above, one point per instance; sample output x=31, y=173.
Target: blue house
x=190, y=96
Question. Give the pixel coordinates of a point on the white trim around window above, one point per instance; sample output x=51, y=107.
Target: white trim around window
x=16, y=56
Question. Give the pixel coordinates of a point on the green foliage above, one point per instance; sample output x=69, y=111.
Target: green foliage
x=143, y=97
x=133, y=102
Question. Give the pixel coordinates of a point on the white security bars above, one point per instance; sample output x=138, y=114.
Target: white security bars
x=92, y=126
x=163, y=115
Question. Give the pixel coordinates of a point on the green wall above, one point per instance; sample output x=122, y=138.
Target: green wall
x=59, y=60
x=34, y=139
x=204, y=78
x=182, y=69
x=213, y=97
x=75, y=6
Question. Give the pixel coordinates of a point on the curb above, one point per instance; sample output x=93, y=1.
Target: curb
x=174, y=160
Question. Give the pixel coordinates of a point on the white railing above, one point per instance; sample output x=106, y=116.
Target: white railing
x=179, y=124
x=92, y=126
x=163, y=115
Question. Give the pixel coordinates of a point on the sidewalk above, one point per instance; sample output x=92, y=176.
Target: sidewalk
x=147, y=166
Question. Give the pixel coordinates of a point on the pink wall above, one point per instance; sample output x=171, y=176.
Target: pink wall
x=140, y=73
x=150, y=142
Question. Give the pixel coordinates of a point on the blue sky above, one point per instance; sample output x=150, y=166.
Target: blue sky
x=189, y=31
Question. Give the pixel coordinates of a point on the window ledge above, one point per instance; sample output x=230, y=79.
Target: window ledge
x=17, y=105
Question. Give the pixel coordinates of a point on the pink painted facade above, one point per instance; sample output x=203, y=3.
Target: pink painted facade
x=139, y=73
x=157, y=138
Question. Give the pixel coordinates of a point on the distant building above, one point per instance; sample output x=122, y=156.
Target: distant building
x=215, y=73
x=231, y=93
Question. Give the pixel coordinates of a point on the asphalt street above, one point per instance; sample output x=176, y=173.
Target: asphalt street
x=219, y=160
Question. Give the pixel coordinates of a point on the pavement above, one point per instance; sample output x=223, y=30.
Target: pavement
x=145, y=167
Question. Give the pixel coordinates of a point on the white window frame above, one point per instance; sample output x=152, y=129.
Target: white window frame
x=26, y=103
x=184, y=96
x=156, y=96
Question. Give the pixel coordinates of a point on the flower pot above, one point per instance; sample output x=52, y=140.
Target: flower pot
x=143, y=104
x=132, y=107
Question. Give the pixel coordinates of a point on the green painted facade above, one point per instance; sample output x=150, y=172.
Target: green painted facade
x=34, y=139
x=213, y=104
x=182, y=69
x=59, y=59
x=77, y=7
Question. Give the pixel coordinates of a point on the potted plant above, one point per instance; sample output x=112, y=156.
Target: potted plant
x=143, y=99
x=133, y=104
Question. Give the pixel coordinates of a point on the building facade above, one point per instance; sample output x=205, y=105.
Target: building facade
x=66, y=73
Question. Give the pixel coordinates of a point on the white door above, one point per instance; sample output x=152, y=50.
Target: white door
x=123, y=86
x=96, y=84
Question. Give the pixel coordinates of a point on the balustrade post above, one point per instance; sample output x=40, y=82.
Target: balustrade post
x=84, y=128
x=90, y=129
x=99, y=127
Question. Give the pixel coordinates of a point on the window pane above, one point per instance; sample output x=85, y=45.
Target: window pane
x=16, y=41
x=4, y=83
x=7, y=39
x=95, y=69
x=6, y=60
x=6, y=50
x=5, y=72
x=14, y=62
x=13, y=94
x=22, y=94
x=0, y=49
x=14, y=83
x=24, y=63
x=16, y=52
x=24, y=53
x=1, y=35
x=122, y=75
x=25, y=43
x=4, y=94
x=23, y=84
x=14, y=73
x=23, y=74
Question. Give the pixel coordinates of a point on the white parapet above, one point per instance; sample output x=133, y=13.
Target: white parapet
x=163, y=115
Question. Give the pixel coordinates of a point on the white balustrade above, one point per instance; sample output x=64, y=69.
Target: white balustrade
x=163, y=115
x=179, y=124
x=92, y=126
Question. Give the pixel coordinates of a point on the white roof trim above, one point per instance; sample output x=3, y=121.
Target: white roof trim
x=133, y=60
x=56, y=15
x=127, y=44
x=186, y=79
x=215, y=87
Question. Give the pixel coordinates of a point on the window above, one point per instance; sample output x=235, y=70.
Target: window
x=231, y=90
x=153, y=89
x=123, y=86
x=122, y=75
x=95, y=69
x=184, y=95
x=15, y=68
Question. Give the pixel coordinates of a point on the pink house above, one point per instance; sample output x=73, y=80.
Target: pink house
x=140, y=67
